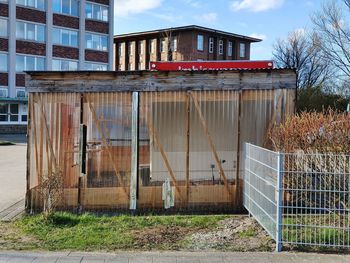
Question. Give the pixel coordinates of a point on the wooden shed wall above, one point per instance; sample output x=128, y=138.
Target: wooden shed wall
x=184, y=130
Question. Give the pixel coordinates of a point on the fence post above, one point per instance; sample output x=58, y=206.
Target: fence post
x=279, y=203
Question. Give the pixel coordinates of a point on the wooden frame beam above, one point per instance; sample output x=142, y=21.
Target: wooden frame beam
x=188, y=123
x=211, y=143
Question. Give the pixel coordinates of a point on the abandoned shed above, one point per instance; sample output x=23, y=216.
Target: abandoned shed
x=148, y=140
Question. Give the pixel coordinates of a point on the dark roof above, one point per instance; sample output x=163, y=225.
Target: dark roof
x=186, y=28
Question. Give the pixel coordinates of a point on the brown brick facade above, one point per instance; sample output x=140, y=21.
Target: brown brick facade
x=32, y=48
x=20, y=80
x=96, y=56
x=3, y=79
x=4, y=10
x=4, y=44
x=29, y=14
x=186, y=47
x=65, y=21
x=103, y=2
x=65, y=52
x=96, y=26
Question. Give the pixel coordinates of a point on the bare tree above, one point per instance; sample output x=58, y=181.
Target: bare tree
x=334, y=34
x=301, y=51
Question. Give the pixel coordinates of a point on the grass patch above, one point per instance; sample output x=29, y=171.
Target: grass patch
x=87, y=232
x=314, y=230
x=248, y=233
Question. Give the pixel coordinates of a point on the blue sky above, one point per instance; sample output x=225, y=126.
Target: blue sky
x=267, y=19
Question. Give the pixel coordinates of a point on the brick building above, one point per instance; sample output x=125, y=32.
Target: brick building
x=134, y=51
x=49, y=35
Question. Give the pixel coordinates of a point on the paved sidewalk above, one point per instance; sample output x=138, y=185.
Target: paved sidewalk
x=170, y=257
x=12, y=174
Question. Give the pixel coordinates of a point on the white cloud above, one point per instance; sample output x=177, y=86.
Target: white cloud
x=255, y=5
x=123, y=8
x=208, y=17
x=193, y=3
x=257, y=35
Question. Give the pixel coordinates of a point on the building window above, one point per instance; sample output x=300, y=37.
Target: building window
x=130, y=49
x=151, y=46
x=3, y=27
x=30, y=31
x=162, y=45
x=21, y=93
x=3, y=92
x=9, y=112
x=120, y=49
x=97, y=42
x=221, y=47
x=96, y=12
x=64, y=64
x=173, y=44
x=24, y=112
x=140, y=47
x=242, y=50
x=65, y=37
x=230, y=49
x=24, y=63
x=3, y=64
x=66, y=7
x=38, y=4
x=95, y=66
x=211, y=45
x=200, y=42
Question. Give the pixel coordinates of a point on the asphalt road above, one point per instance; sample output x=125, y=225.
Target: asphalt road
x=171, y=257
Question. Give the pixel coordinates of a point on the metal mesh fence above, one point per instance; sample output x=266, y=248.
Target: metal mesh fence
x=316, y=199
x=300, y=199
x=260, y=185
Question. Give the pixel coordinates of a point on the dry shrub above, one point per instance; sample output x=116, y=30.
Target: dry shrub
x=51, y=191
x=317, y=147
x=313, y=132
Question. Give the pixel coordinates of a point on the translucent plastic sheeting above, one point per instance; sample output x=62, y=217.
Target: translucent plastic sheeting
x=192, y=138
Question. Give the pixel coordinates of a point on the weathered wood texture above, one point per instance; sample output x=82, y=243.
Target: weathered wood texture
x=159, y=81
x=114, y=197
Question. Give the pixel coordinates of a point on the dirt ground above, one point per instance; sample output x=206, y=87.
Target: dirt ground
x=238, y=233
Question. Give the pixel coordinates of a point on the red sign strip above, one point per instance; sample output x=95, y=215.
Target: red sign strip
x=210, y=65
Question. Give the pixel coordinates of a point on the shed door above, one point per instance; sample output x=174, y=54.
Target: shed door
x=108, y=166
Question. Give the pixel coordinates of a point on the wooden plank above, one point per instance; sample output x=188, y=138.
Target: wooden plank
x=105, y=142
x=48, y=139
x=153, y=134
x=188, y=123
x=238, y=159
x=211, y=143
x=160, y=81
